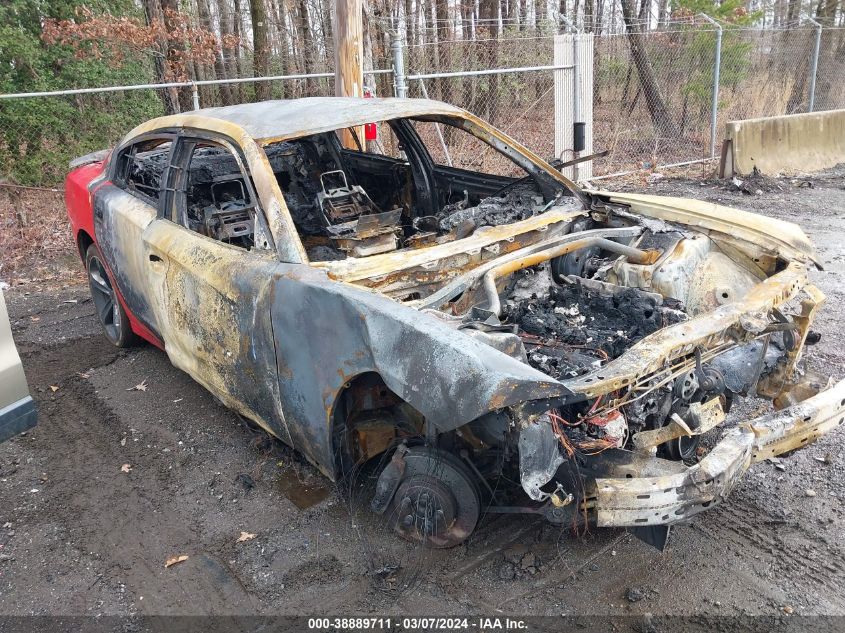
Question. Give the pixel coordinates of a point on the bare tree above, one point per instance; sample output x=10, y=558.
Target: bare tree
x=260, y=49
x=169, y=97
x=489, y=13
x=832, y=54
x=442, y=58
x=648, y=82
x=229, y=55
x=662, y=13
x=368, y=26
x=175, y=53
x=204, y=14
x=307, y=49
x=410, y=35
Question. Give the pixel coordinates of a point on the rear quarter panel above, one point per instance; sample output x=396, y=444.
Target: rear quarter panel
x=78, y=199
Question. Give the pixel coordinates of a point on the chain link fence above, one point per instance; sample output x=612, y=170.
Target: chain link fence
x=652, y=91
x=652, y=95
x=519, y=99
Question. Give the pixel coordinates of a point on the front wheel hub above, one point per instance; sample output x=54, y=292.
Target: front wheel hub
x=426, y=507
x=437, y=503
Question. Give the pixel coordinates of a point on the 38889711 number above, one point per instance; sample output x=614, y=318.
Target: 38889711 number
x=351, y=624
x=376, y=624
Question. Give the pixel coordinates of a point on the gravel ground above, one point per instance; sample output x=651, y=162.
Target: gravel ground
x=79, y=536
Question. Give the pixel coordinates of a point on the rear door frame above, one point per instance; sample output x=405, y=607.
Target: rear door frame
x=120, y=217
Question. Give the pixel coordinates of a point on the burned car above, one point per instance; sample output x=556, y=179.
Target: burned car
x=443, y=303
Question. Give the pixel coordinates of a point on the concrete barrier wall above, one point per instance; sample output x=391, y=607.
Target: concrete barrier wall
x=785, y=144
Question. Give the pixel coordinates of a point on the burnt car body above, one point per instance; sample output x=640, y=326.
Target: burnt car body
x=457, y=324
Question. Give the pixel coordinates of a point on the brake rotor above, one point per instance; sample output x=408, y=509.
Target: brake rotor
x=437, y=502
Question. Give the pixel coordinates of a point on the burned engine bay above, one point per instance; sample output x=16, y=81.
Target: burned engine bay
x=572, y=309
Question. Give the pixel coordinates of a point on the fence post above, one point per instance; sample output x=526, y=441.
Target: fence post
x=399, y=85
x=195, y=96
x=814, y=66
x=576, y=95
x=574, y=100
x=717, y=66
x=576, y=72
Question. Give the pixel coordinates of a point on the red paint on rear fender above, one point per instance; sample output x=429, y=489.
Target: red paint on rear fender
x=80, y=212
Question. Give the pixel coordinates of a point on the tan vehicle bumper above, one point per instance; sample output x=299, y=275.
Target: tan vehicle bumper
x=671, y=498
x=17, y=409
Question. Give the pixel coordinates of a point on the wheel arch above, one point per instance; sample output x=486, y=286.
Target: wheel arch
x=83, y=242
x=364, y=412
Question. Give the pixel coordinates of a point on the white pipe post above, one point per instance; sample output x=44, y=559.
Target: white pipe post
x=814, y=66
x=195, y=96
x=714, y=106
x=399, y=85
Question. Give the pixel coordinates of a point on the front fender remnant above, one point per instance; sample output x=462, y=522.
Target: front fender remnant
x=449, y=377
x=539, y=457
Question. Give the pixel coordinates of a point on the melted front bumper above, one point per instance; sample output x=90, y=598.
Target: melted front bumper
x=670, y=498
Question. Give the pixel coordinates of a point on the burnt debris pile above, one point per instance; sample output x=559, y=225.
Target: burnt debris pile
x=574, y=329
x=517, y=204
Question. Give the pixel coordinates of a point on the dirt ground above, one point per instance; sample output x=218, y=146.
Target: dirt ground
x=80, y=536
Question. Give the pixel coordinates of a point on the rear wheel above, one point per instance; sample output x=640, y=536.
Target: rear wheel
x=110, y=313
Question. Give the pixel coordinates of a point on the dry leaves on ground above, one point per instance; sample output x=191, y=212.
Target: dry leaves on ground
x=175, y=560
x=245, y=536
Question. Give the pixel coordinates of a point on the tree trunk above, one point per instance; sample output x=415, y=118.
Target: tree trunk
x=368, y=27
x=465, y=83
x=280, y=45
x=225, y=90
x=410, y=36
x=307, y=50
x=589, y=13
x=511, y=13
x=169, y=96
x=260, y=50
x=598, y=21
x=830, y=55
x=662, y=13
x=326, y=18
x=793, y=10
x=796, y=39
x=227, y=54
x=443, y=58
x=523, y=14
x=663, y=123
x=489, y=16
x=176, y=68
x=237, y=21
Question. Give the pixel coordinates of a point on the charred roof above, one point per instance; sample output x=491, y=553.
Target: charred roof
x=289, y=118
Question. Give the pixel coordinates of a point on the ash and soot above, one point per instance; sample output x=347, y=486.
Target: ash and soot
x=571, y=329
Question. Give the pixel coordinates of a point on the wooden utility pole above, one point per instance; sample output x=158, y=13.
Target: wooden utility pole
x=348, y=55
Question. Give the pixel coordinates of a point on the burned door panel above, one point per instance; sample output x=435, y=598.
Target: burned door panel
x=120, y=219
x=213, y=303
